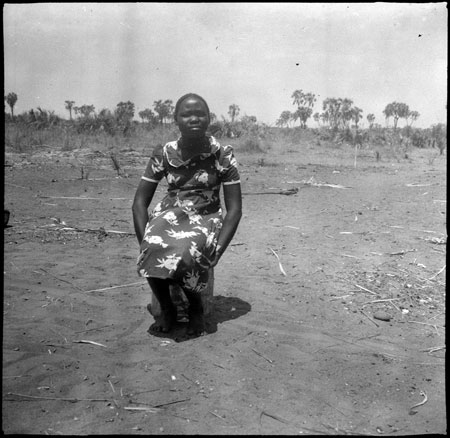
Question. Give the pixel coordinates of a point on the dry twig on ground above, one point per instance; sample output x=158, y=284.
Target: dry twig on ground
x=279, y=262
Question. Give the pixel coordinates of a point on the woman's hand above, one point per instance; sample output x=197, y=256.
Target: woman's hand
x=233, y=205
x=215, y=260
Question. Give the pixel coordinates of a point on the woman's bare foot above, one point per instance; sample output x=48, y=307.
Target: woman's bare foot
x=196, y=325
x=164, y=322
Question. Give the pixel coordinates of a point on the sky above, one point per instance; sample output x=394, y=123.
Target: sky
x=254, y=55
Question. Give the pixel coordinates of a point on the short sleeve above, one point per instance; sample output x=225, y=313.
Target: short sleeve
x=229, y=167
x=155, y=167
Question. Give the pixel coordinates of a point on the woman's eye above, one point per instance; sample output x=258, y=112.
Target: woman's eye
x=187, y=116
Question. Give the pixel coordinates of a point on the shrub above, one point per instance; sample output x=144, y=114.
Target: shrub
x=251, y=145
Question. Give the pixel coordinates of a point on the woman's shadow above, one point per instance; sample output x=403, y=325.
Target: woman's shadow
x=222, y=309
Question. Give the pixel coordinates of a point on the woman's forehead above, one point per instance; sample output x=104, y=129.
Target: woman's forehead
x=193, y=101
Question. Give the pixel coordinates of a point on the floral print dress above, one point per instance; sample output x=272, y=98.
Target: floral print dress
x=180, y=238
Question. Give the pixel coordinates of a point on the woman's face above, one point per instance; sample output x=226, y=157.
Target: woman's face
x=192, y=118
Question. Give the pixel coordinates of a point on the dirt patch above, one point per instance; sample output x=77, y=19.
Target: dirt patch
x=342, y=333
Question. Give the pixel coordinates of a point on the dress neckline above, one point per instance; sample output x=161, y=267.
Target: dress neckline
x=173, y=152
x=203, y=147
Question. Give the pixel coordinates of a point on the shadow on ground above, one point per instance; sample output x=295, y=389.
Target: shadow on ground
x=224, y=309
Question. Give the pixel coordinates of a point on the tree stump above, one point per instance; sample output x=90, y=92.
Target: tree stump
x=180, y=301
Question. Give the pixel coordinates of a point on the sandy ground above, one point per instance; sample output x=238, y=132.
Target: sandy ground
x=301, y=353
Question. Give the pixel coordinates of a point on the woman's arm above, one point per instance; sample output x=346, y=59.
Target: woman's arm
x=233, y=204
x=142, y=199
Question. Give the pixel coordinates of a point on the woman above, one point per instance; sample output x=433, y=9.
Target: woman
x=185, y=235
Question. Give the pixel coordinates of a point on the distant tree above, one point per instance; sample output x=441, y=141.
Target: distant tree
x=339, y=112
x=69, y=106
x=124, y=114
x=439, y=136
x=325, y=119
x=249, y=120
x=371, y=120
x=212, y=117
x=84, y=110
x=331, y=111
x=124, y=111
x=419, y=138
x=303, y=114
x=147, y=115
x=11, y=100
x=412, y=117
x=284, y=119
x=356, y=115
x=303, y=99
x=247, y=124
x=346, y=112
x=316, y=118
x=106, y=121
x=233, y=111
x=396, y=110
x=105, y=113
x=164, y=110
x=305, y=103
x=297, y=97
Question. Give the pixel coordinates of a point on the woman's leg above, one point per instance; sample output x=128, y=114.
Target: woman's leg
x=161, y=289
x=196, y=324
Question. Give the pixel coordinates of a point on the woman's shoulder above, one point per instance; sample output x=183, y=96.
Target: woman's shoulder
x=168, y=149
x=216, y=147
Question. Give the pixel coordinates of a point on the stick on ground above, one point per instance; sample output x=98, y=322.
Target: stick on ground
x=114, y=287
x=367, y=290
x=279, y=262
x=73, y=400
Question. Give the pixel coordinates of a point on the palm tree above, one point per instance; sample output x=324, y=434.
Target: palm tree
x=284, y=119
x=357, y=115
x=305, y=103
x=233, y=111
x=346, y=111
x=297, y=95
x=310, y=99
x=332, y=111
x=303, y=113
x=69, y=106
x=11, y=100
x=413, y=116
x=302, y=99
x=396, y=110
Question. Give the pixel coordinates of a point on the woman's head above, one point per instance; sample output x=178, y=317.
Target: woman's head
x=192, y=115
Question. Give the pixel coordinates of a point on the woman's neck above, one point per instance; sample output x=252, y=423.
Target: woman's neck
x=193, y=146
x=193, y=142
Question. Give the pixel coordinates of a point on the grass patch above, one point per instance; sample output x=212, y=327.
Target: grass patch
x=250, y=145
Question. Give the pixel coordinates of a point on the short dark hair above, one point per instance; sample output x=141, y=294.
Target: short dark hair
x=186, y=96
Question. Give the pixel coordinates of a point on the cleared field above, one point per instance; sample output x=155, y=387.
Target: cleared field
x=342, y=333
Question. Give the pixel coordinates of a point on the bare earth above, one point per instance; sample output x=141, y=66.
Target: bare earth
x=301, y=353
